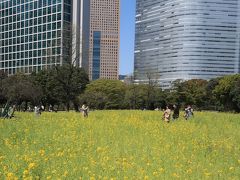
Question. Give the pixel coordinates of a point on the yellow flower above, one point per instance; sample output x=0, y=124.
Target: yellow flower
x=189, y=171
x=231, y=168
x=65, y=174
x=42, y=152
x=176, y=175
x=99, y=149
x=31, y=166
x=207, y=174
x=162, y=170
x=25, y=173
x=11, y=176
x=1, y=158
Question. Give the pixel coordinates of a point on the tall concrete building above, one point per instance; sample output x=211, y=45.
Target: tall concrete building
x=104, y=39
x=179, y=39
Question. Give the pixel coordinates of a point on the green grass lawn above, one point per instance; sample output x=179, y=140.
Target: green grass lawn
x=120, y=145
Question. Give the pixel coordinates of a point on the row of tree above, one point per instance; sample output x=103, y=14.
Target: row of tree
x=60, y=86
x=68, y=87
x=220, y=94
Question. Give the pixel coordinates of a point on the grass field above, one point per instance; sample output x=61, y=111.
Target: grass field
x=120, y=145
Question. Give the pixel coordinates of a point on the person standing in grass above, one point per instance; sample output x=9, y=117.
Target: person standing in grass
x=175, y=112
x=37, y=111
x=167, y=115
x=84, y=110
x=188, y=112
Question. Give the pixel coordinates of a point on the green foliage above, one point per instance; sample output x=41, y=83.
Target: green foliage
x=62, y=84
x=235, y=94
x=144, y=96
x=19, y=88
x=105, y=94
x=3, y=98
x=191, y=92
x=136, y=96
x=72, y=81
x=227, y=92
x=49, y=86
x=66, y=86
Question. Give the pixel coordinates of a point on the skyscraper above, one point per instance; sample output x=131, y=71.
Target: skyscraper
x=37, y=34
x=178, y=39
x=80, y=33
x=104, y=39
x=32, y=34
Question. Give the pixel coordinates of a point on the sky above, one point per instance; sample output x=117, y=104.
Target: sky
x=127, y=34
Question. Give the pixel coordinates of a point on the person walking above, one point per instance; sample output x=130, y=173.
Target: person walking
x=188, y=112
x=84, y=110
x=37, y=111
x=167, y=115
x=175, y=112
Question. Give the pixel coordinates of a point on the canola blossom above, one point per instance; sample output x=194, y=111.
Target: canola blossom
x=120, y=145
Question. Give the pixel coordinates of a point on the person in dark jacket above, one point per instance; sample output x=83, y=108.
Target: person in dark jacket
x=175, y=112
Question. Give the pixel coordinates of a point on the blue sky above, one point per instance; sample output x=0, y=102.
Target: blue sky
x=127, y=26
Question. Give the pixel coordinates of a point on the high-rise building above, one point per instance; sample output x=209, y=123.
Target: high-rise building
x=32, y=34
x=37, y=34
x=179, y=39
x=104, y=39
x=80, y=33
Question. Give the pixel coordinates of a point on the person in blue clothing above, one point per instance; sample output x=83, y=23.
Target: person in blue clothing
x=188, y=112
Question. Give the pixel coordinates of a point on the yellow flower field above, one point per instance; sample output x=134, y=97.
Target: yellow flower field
x=120, y=145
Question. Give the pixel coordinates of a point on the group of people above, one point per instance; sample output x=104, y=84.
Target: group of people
x=167, y=113
x=39, y=109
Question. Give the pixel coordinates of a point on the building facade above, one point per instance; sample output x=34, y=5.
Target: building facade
x=39, y=34
x=104, y=39
x=80, y=33
x=179, y=39
x=31, y=34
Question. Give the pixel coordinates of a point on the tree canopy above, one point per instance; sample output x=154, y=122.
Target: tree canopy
x=68, y=86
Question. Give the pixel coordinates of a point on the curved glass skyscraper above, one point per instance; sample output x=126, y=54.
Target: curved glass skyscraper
x=186, y=39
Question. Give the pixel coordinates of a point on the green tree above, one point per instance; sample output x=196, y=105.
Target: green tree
x=235, y=94
x=71, y=83
x=139, y=97
x=189, y=92
x=226, y=92
x=105, y=94
x=51, y=88
x=19, y=88
x=212, y=102
x=136, y=96
x=3, y=97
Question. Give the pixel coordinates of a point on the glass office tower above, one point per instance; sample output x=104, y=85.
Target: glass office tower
x=179, y=39
x=80, y=33
x=31, y=34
